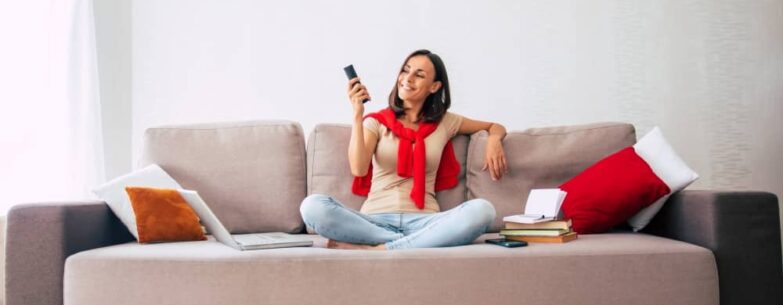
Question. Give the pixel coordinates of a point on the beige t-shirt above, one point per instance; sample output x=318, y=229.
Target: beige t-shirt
x=391, y=193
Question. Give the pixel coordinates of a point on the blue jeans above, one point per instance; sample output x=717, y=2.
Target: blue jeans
x=458, y=226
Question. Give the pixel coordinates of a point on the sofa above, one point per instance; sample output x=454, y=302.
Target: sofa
x=704, y=247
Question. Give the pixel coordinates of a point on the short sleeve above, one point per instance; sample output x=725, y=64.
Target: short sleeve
x=452, y=121
x=372, y=125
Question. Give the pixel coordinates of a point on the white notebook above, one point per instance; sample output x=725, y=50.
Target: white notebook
x=542, y=205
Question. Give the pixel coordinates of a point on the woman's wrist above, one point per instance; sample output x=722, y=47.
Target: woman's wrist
x=496, y=132
x=494, y=139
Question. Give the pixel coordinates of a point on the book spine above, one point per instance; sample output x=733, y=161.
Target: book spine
x=544, y=239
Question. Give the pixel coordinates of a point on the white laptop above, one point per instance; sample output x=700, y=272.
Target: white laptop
x=254, y=241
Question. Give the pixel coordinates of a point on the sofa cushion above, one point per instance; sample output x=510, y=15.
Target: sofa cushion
x=617, y=268
x=113, y=192
x=610, y=191
x=251, y=174
x=329, y=173
x=163, y=215
x=667, y=165
x=540, y=158
x=634, y=181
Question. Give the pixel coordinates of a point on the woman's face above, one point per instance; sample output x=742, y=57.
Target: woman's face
x=417, y=80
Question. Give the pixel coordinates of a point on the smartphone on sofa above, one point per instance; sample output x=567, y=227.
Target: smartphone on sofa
x=507, y=243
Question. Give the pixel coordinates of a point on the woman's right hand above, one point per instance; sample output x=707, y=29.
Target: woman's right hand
x=357, y=93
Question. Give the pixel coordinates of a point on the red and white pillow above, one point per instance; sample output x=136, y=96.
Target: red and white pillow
x=661, y=157
x=631, y=185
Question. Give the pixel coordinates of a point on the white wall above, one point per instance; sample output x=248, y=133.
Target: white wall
x=708, y=72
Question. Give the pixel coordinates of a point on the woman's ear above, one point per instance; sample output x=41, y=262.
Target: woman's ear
x=435, y=87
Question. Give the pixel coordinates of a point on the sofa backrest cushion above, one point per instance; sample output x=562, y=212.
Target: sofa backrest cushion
x=541, y=158
x=329, y=173
x=251, y=174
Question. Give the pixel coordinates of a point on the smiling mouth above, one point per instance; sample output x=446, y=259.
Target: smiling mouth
x=406, y=87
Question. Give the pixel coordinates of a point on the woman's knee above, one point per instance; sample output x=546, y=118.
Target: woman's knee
x=482, y=211
x=314, y=207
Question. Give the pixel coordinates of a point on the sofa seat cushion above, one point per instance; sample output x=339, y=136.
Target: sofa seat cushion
x=616, y=268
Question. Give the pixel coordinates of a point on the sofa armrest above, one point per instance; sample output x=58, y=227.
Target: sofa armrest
x=743, y=231
x=39, y=237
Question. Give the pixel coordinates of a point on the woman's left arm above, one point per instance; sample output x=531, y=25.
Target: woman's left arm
x=495, y=158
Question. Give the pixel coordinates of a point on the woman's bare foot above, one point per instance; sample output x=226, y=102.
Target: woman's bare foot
x=333, y=244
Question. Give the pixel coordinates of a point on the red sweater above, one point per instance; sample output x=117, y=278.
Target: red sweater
x=413, y=163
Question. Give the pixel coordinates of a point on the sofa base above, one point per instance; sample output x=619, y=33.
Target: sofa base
x=616, y=268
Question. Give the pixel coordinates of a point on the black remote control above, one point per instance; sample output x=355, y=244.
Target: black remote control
x=350, y=72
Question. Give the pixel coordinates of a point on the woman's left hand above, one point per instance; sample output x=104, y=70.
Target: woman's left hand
x=495, y=159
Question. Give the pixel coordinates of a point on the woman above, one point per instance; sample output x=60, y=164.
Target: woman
x=399, y=175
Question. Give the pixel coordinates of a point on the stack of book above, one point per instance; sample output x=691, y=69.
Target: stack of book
x=551, y=231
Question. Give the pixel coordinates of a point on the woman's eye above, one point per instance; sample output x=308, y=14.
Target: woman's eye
x=420, y=76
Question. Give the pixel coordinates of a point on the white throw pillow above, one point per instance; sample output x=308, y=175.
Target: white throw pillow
x=667, y=165
x=113, y=192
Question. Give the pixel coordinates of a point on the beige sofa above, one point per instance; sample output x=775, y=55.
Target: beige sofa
x=704, y=247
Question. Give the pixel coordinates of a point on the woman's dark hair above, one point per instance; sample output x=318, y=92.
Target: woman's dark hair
x=437, y=103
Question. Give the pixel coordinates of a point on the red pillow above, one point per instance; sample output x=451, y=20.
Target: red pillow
x=611, y=191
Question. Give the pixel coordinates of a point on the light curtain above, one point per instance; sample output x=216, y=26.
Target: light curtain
x=51, y=145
